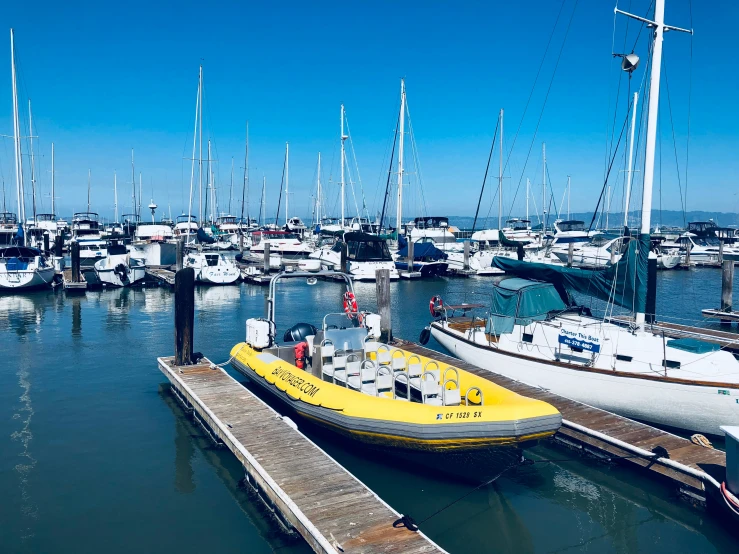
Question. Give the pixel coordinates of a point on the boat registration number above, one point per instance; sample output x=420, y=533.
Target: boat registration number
x=459, y=415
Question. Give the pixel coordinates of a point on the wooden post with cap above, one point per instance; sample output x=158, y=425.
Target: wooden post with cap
x=383, y=304
x=184, y=315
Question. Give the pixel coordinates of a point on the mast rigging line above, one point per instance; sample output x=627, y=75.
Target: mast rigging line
x=674, y=141
x=610, y=166
x=541, y=113
x=279, y=201
x=389, y=173
x=485, y=178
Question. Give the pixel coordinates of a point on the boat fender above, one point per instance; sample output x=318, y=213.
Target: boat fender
x=425, y=336
x=406, y=521
x=300, y=351
x=436, y=305
x=196, y=357
x=661, y=452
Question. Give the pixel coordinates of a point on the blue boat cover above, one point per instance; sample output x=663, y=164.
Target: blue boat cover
x=693, y=345
x=624, y=283
x=203, y=237
x=426, y=251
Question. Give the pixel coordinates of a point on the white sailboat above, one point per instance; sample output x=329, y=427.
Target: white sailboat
x=119, y=268
x=532, y=335
x=212, y=268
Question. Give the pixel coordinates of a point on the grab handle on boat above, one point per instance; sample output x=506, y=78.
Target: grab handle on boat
x=444, y=391
x=397, y=376
x=434, y=381
x=426, y=367
x=467, y=395
x=378, y=374
x=456, y=375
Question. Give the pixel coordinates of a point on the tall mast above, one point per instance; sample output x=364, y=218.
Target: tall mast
x=631, y=166
x=141, y=194
x=133, y=185
x=33, y=163
x=263, y=204
x=192, y=164
x=318, y=193
x=287, y=180
x=231, y=189
x=244, y=191
x=401, y=131
x=209, y=185
x=568, y=198
x=500, y=176
x=17, y=139
x=53, y=205
x=89, y=176
x=528, y=187
x=343, y=156
x=544, y=186
x=115, y=195
x=200, y=157
x=659, y=28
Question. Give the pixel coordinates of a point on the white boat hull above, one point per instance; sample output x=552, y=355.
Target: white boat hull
x=26, y=278
x=218, y=275
x=685, y=406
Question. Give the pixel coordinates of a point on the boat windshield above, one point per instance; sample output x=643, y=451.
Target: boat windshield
x=369, y=251
x=571, y=225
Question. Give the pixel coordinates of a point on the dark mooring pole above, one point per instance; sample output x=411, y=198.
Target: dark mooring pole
x=184, y=315
x=179, y=254
x=727, y=288
x=75, y=262
x=383, y=304
x=651, y=290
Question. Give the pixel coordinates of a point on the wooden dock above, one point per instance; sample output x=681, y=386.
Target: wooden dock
x=304, y=486
x=71, y=285
x=606, y=435
x=161, y=274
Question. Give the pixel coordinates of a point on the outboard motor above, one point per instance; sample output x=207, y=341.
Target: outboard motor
x=299, y=332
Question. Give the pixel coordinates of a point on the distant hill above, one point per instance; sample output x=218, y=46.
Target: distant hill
x=668, y=218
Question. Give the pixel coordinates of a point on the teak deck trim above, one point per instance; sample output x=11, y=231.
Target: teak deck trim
x=616, y=427
x=366, y=528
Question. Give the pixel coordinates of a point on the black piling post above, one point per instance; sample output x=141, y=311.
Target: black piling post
x=76, y=277
x=59, y=246
x=184, y=315
x=344, y=259
x=179, y=254
x=727, y=288
x=47, y=250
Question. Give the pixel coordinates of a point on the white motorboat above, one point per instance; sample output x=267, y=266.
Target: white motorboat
x=213, y=268
x=119, y=268
x=24, y=268
x=287, y=246
x=186, y=226
x=365, y=255
x=92, y=250
x=703, y=250
x=434, y=228
x=8, y=228
x=600, y=252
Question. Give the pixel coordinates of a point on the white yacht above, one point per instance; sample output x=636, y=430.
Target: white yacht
x=24, y=268
x=282, y=244
x=186, y=226
x=434, y=228
x=212, y=268
x=92, y=250
x=119, y=268
x=154, y=244
x=8, y=228
x=365, y=255
x=703, y=250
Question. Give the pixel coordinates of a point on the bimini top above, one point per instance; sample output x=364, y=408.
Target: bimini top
x=519, y=301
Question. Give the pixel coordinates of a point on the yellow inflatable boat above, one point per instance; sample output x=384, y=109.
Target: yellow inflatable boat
x=340, y=377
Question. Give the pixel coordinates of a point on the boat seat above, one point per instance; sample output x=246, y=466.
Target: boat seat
x=414, y=366
x=451, y=396
x=431, y=392
x=384, y=355
x=370, y=347
x=398, y=361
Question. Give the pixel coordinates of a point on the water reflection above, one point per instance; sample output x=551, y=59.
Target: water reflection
x=21, y=313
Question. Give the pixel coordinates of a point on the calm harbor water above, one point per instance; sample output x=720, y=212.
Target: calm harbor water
x=95, y=455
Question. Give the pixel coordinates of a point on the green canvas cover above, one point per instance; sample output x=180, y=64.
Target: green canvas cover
x=520, y=302
x=624, y=283
x=694, y=345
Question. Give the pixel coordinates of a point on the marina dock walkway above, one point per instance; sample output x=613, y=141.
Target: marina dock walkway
x=606, y=435
x=327, y=505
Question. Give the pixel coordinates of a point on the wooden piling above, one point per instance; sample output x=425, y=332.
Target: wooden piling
x=383, y=304
x=466, y=254
x=410, y=255
x=687, y=254
x=59, y=246
x=184, y=315
x=76, y=276
x=46, y=244
x=344, y=263
x=570, y=253
x=651, y=307
x=721, y=252
x=727, y=288
x=266, y=256
x=179, y=254
x=241, y=242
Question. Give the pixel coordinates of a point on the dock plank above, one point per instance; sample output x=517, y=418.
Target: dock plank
x=312, y=491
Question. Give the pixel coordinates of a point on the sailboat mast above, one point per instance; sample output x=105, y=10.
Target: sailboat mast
x=192, y=164
x=53, y=204
x=343, y=159
x=318, y=193
x=500, y=177
x=629, y=170
x=244, y=191
x=544, y=186
x=200, y=157
x=263, y=204
x=141, y=193
x=568, y=198
x=287, y=180
x=33, y=162
x=231, y=189
x=210, y=185
x=528, y=187
x=115, y=195
x=17, y=139
x=89, y=176
x=401, y=132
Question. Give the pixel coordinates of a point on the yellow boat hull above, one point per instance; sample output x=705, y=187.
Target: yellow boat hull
x=504, y=419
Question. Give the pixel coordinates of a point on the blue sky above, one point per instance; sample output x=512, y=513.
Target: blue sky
x=104, y=78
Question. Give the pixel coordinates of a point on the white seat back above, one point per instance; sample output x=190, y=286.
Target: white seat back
x=398, y=360
x=383, y=354
x=415, y=367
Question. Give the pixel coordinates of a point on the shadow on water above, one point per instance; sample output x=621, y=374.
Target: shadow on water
x=189, y=438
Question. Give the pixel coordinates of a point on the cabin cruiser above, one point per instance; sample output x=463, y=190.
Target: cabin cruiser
x=428, y=260
x=533, y=332
x=22, y=267
x=86, y=225
x=295, y=225
x=282, y=245
x=119, y=268
x=212, y=268
x=365, y=254
x=154, y=244
x=434, y=228
x=186, y=226
x=92, y=250
x=8, y=228
x=341, y=376
x=703, y=250
x=565, y=233
x=43, y=225
x=601, y=251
